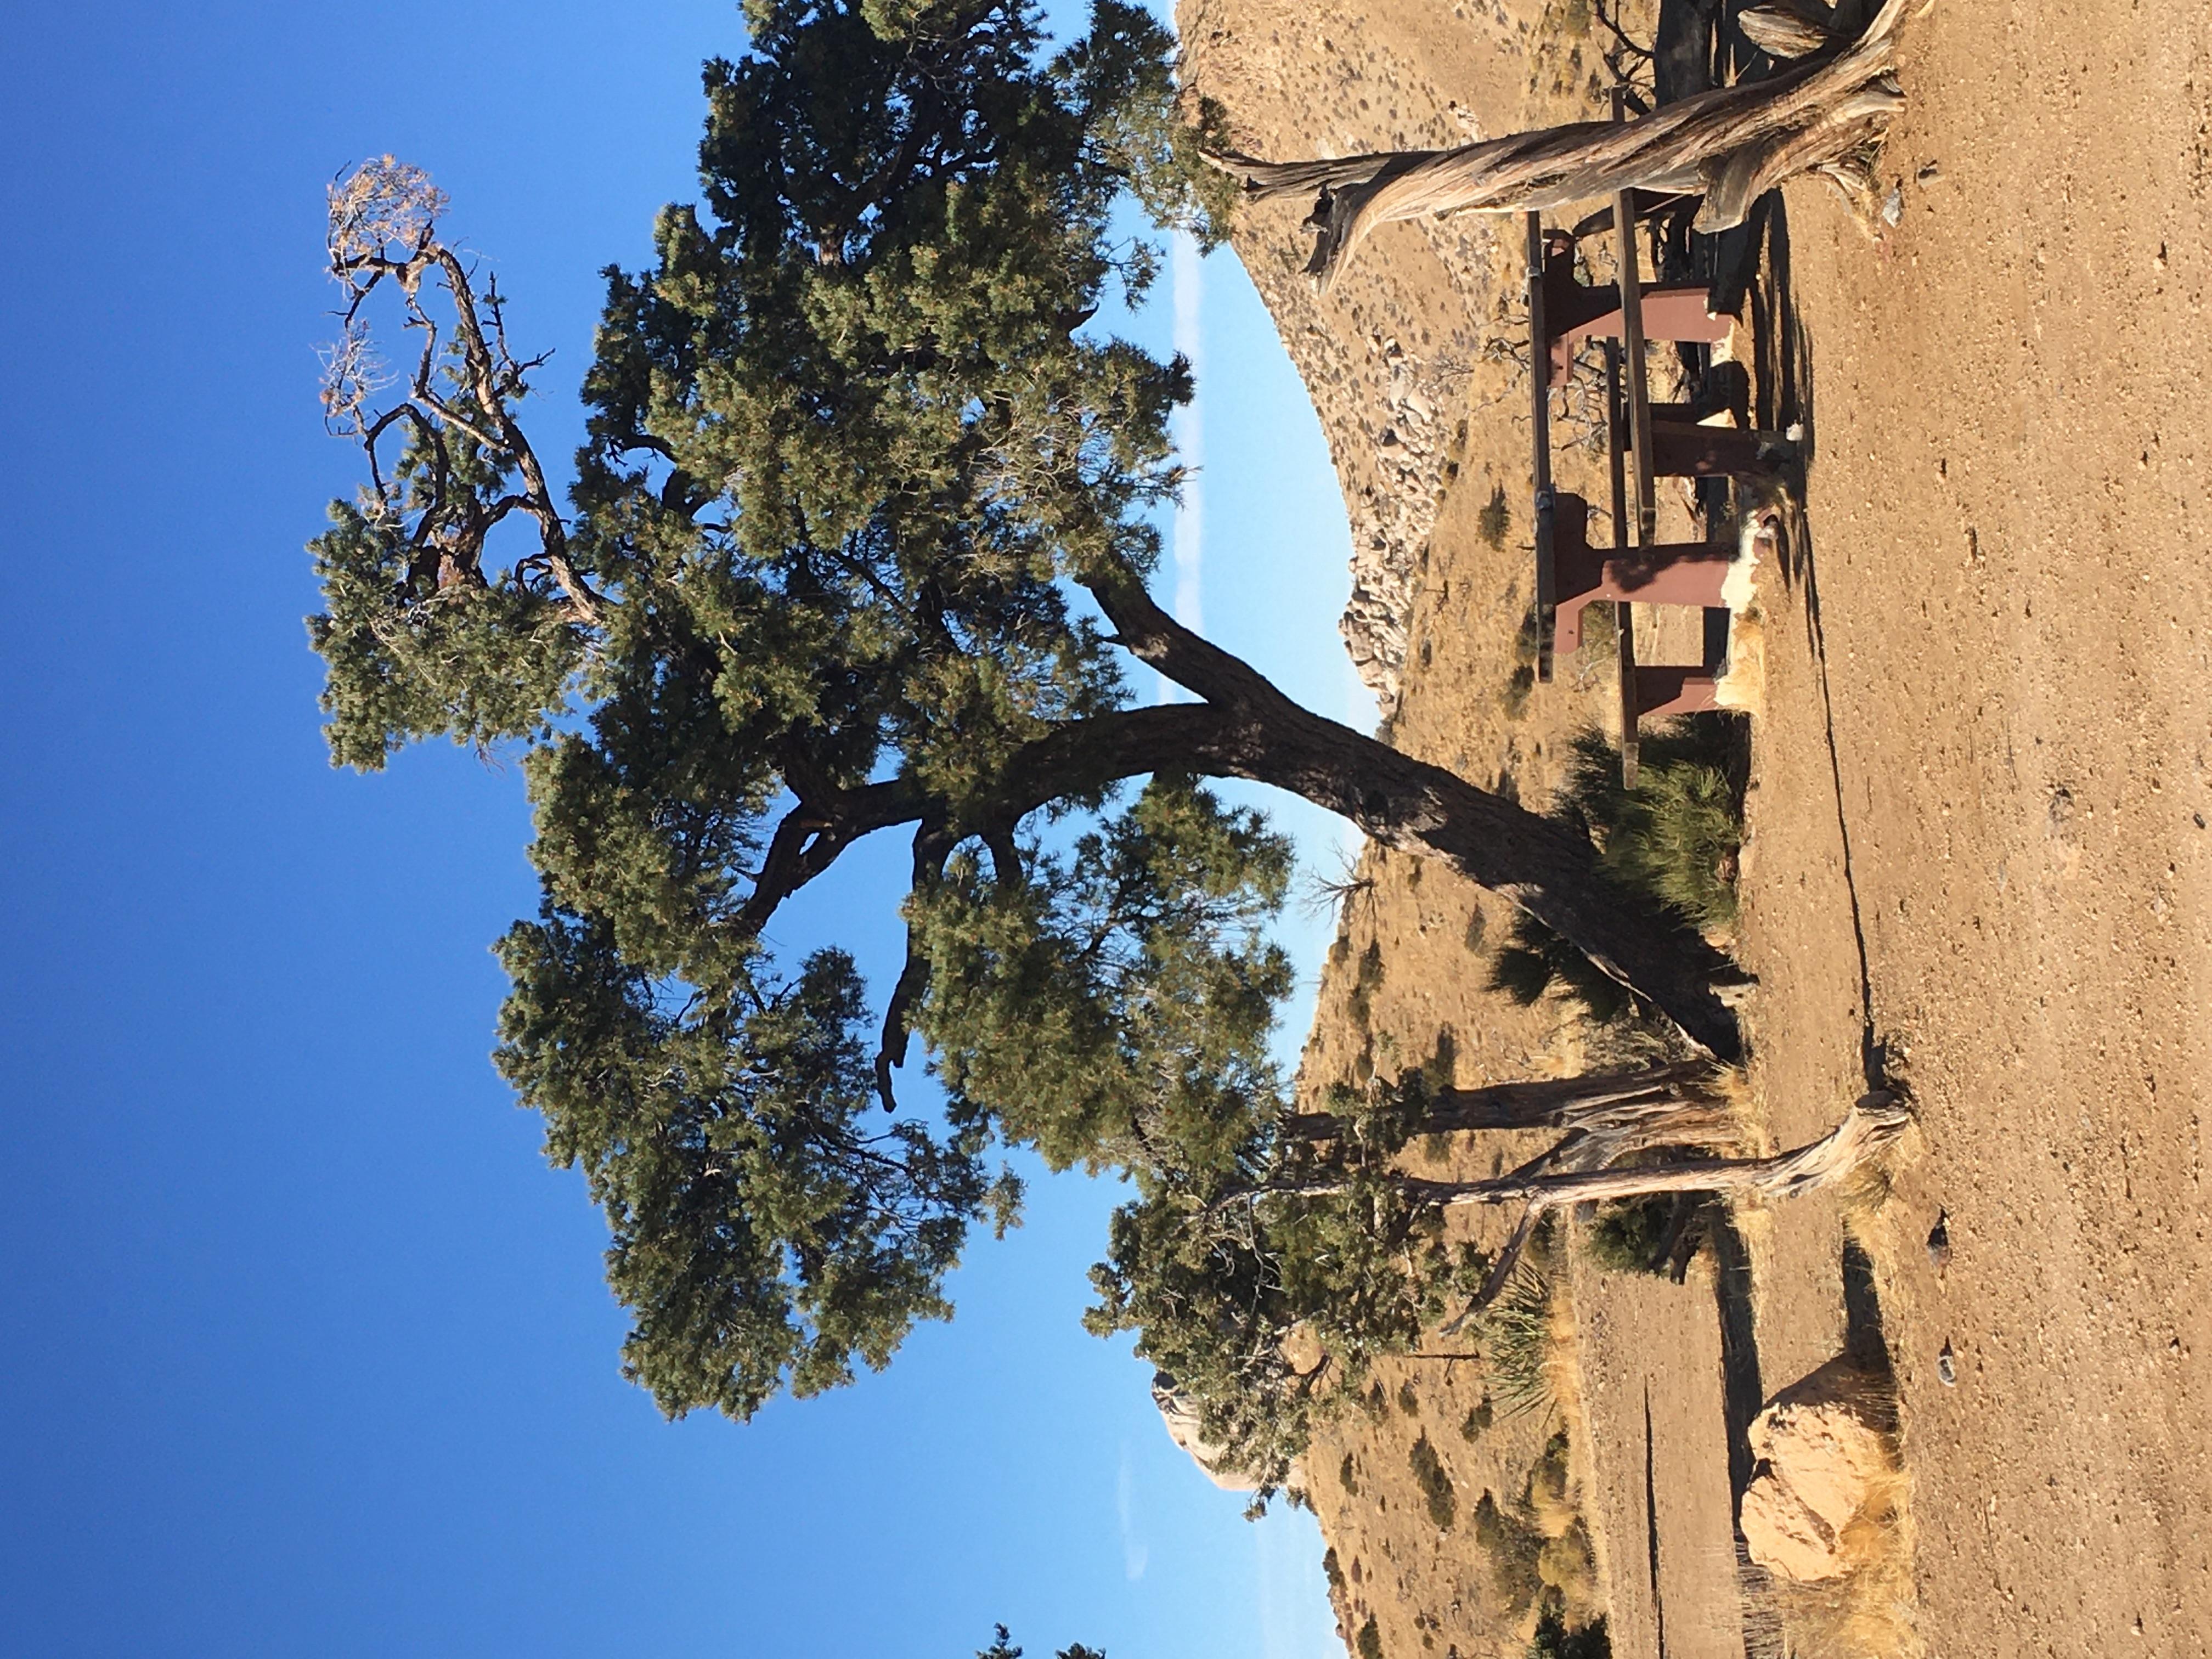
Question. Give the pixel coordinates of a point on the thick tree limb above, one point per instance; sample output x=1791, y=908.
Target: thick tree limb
x=1876, y=1121
x=931, y=847
x=1544, y=1103
x=1807, y=115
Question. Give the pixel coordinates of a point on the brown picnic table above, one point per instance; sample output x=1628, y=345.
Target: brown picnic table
x=1645, y=441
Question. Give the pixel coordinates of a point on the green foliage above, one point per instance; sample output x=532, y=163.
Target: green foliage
x=1676, y=836
x=1369, y=1643
x=1516, y=1333
x=1115, y=1006
x=1216, y=1273
x=478, y=663
x=1674, y=839
x=762, y=1236
x=1513, y=1551
x=1002, y=1647
x=1360, y=999
x=1626, y=1237
x=1553, y=1640
x=1436, y=1484
x=849, y=443
x=1480, y=1416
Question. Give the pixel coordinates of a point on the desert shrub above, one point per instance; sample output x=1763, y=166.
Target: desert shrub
x=1534, y=960
x=1512, y=1551
x=1517, y=1341
x=1479, y=1418
x=1568, y=1567
x=1369, y=1643
x=1548, y=1503
x=1360, y=1004
x=1331, y=1572
x=1436, y=1484
x=1409, y=1398
x=1677, y=835
x=1347, y=1476
x=1527, y=648
x=1626, y=1237
x=1495, y=519
x=1553, y=1640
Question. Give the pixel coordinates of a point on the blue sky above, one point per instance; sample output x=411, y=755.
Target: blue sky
x=306, y=1351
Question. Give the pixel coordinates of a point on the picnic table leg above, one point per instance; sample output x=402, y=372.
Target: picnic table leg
x=1684, y=449
x=1637, y=394
x=1665, y=692
x=1541, y=418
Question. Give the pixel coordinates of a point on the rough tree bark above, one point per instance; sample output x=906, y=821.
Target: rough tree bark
x=1731, y=144
x=1543, y=1104
x=1872, y=1124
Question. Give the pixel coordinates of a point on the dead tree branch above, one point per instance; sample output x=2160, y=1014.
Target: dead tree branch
x=1730, y=145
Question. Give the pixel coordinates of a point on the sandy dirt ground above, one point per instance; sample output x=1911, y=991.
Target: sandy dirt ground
x=1982, y=777
x=1997, y=645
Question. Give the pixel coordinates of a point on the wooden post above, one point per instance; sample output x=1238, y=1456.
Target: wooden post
x=1624, y=618
x=1636, y=394
x=1540, y=347
x=1631, y=343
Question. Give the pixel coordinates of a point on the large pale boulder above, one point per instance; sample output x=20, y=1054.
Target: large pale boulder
x=1182, y=1427
x=1818, y=1457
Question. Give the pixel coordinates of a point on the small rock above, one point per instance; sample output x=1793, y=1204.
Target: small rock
x=1929, y=174
x=1939, y=1242
x=1893, y=210
x=1946, y=1366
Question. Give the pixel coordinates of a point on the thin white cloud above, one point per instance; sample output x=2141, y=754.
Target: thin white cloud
x=1135, y=1553
x=1295, y=1619
x=1186, y=278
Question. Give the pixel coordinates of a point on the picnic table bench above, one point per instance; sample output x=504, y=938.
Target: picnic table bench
x=1645, y=441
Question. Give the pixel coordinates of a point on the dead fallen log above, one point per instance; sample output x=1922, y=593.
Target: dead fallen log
x=1730, y=145
x=1876, y=1121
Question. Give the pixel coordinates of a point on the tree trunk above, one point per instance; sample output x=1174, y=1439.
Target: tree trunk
x=1720, y=142
x=1876, y=1121
x=1542, y=866
x=1544, y=1103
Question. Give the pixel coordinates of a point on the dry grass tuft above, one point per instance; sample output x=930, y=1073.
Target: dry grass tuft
x=1868, y=1613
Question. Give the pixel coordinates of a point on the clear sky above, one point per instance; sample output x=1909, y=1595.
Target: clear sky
x=306, y=1350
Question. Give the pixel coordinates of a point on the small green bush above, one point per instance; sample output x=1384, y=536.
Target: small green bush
x=1517, y=1341
x=1436, y=1484
x=1626, y=1237
x=1495, y=519
x=1534, y=959
x=1369, y=1642
x=1409, y=1398
x=1678, y=835
x=1348, y=1477
x=1513, y=1550
x=1479, y=1418
x=1553, y=1640
x=1360, y=1004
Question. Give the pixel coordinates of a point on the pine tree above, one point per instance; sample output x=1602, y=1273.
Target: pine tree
x=859, y=469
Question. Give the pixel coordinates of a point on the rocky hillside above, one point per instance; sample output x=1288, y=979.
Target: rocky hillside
x=1390, y=355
